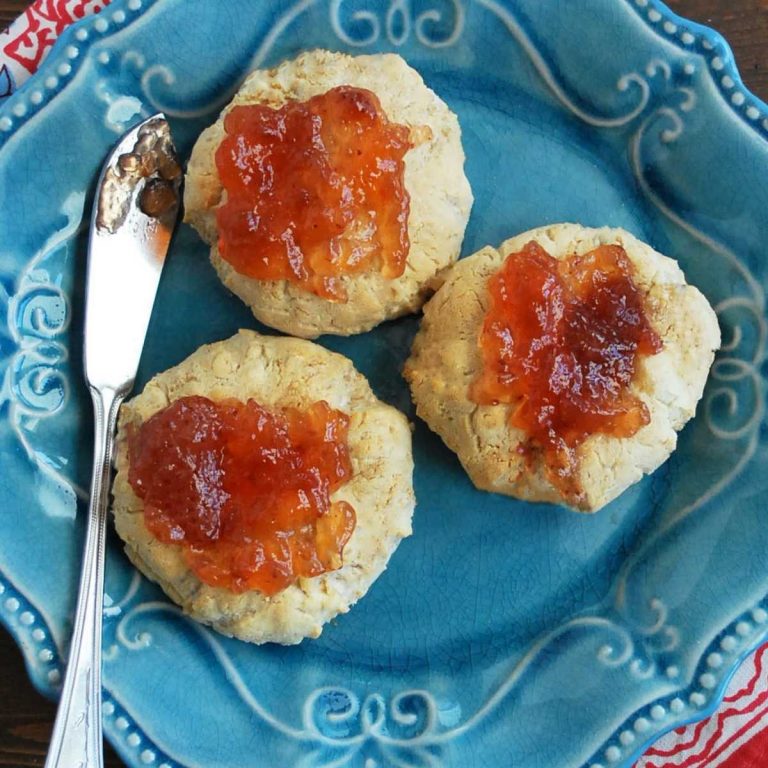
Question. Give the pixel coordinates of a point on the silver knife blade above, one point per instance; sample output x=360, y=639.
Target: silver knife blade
x=134, y=216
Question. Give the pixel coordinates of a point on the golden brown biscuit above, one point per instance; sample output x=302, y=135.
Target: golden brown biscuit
x=446, y=359
x=440, y=196
x=280, y=372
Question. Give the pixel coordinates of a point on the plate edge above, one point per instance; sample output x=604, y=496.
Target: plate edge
x=64, y=61
x=29, y=629
x=622, y=755
x=659, y=18
x=715, y=47
x=722, y=68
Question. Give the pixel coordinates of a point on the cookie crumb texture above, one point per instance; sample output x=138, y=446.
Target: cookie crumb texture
x=440, y=198
x=446, y=361
x=279, y=373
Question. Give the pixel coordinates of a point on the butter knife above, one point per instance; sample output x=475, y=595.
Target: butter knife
x=134, y=214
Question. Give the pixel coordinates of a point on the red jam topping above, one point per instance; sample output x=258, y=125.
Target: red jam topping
x=561, y=342
x=245, y=491
x=314, y=190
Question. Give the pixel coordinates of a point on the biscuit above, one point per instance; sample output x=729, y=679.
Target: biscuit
x=279, y=372
x=440, y=196
x=446, y=359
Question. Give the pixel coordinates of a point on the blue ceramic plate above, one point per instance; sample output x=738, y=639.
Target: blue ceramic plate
x=503, y=634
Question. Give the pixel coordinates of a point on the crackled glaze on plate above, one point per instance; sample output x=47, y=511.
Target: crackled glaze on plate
x=503, y=633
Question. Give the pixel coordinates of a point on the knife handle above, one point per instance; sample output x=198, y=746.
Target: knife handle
x=77, y=739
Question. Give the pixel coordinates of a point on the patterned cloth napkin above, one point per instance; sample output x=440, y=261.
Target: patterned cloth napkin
x=736, y=736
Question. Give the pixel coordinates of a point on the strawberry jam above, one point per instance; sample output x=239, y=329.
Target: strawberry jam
x=245, y=491
x=560, y=343
x=315, y=191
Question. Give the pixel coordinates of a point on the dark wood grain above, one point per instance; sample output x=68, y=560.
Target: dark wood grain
x=744, y=23
x=10, y=9
x=26, y=717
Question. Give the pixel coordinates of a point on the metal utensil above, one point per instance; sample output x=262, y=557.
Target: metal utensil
x=134, y=215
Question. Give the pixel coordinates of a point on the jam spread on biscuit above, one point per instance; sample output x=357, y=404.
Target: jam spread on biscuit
x=560, y=343
x=314, y=191
x=244, y=490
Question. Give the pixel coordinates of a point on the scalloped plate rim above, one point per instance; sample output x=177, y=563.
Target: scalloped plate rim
x=57, y=56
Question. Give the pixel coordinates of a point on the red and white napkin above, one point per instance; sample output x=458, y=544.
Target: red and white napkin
x=26, y=42
x=736, y=736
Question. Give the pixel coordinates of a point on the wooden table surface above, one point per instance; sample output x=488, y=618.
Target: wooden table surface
x=26, y=718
